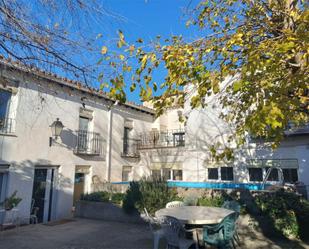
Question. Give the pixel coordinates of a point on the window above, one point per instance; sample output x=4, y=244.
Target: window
x=166, y=174
x=290, y=175
x=227, y=173
x=179, y=138
x=177, y=175
x=273, y=176
x=3, y=180
x=213, y=174
x=126, y=173
x=156, y=174
x=126, y=140
x=5, y=120
x=5, y=98
x=255, y=174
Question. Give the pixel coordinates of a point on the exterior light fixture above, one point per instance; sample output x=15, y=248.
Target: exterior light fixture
x=56, y=129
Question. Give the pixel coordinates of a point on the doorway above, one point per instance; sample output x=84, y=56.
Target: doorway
x=43, y=193
x=79, y=187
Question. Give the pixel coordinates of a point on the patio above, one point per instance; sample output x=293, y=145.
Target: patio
x=98, y=234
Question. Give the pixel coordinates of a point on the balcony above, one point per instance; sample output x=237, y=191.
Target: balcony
x=88, y=143
x=162, y=139
x=7, y=125
x=292, y=129
x=130, y=148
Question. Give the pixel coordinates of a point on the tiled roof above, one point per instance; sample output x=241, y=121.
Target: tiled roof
x=68, y=82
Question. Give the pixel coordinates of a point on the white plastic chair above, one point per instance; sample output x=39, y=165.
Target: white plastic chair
x=175, y=233
x=174, y=204
x=156, y=227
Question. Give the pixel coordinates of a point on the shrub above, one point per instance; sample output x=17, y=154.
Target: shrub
x=132, y=196
x=288, y=212
x=150, y=194
x=11, y=202
x=100, y=196
x=215, y=201
x=117, y=198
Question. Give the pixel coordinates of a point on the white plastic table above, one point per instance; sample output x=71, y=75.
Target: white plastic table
x=195, y=215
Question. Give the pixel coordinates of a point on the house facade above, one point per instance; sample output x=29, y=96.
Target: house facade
x=106, y=141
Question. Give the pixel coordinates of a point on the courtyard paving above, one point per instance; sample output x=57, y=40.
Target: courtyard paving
x=96, y=234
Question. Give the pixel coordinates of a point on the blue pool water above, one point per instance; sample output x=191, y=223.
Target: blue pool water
x=211, y=185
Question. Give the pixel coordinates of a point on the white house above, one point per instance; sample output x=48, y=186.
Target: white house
x=105, y=141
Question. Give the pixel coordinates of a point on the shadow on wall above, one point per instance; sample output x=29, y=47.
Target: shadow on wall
x=21, y=179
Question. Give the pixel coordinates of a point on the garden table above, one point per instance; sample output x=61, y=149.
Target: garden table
x=195, y=215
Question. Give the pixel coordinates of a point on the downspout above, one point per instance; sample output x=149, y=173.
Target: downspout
x=110, y=142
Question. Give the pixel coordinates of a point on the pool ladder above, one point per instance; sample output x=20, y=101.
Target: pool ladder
x=281, y=177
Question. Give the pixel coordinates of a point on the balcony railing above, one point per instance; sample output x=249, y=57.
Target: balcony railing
x=88, y=143
x=7, y=125
x=292, y=129
x=162, y=139
x=130, y=148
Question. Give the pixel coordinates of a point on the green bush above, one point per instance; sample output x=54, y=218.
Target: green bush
x=100, y=196
x=150, y=194
x=287, y=211
x=215, y=201
x=117, y=198
x=132, y=196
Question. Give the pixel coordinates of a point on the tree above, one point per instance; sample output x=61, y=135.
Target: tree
x=262, y=44
x=54, y=35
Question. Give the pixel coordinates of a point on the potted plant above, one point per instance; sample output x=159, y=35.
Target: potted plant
x=8, y=204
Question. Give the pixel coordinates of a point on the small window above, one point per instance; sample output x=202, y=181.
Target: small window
x=255, y=174
x=227, y=174
x=166, y=174
x=3, y=180
x=5, y=99
x=177, y=175
x=290, y=175
x=213, y=174
x=126, y=173
x=156, y=174
x=273, y=176
x=126, y=133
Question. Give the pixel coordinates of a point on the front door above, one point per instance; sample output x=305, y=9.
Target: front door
x=79, y=186
x=42, y=194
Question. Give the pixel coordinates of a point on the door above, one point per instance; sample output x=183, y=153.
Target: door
x=43, y=193
x=79, y=186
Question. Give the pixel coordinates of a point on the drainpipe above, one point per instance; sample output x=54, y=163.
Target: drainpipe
x=110, y=142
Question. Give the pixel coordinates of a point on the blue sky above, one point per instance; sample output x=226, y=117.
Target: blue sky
x=146, y=19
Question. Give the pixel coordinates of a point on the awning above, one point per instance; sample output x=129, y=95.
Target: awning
x=82, y=169
x=85, y=113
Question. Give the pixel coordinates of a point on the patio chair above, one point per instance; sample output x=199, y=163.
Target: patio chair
x=33, y=214
x=233, y=205
x=173, y=204
x=156, y=226
x=222, y=234
x=175, y=234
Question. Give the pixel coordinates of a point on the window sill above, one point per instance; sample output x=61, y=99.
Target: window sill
x=8, y=134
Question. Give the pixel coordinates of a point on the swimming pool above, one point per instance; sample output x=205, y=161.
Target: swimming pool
x=211, y=185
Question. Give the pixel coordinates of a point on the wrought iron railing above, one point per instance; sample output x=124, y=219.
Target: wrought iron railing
x=89, y=143
x=7, y=125
x=293, y=129
x=130, y=148
x=159, y=139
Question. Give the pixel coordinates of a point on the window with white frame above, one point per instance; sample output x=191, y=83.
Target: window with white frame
x=167, y=173
x=258, y=169
x=126, y=173
x=3, y=181
x=220, y=170
x=6, y=122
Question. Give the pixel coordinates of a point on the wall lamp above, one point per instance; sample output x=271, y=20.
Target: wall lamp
x=56, y=129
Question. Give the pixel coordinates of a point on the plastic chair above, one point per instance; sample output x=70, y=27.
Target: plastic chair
x=233, y=205
x=33, y=214
x=173, y=204
x=156, y=229
x=222, y=234
x=175, y=233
